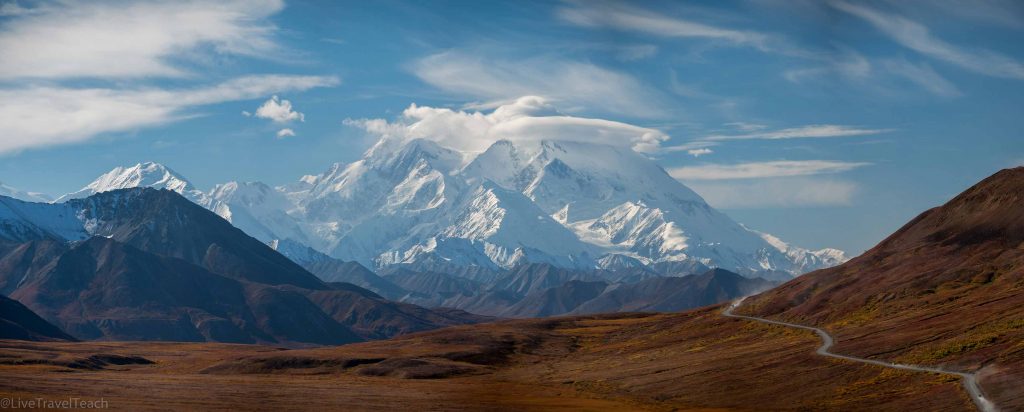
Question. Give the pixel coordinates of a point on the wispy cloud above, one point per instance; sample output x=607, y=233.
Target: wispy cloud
x=923, y=76
x=699, y=152
x=625, y=18
x=688, y=146
x=621, y=17
x=15, y=9
x=569, y=82
x=846, y=64
x=881, y=75
x=777, y=193
x=124, y=40
x=125, y=51
x=45, y=116
x=917, y=37
x=757, y=170
x=283, y=133
x=802, y=132
x=746, y=127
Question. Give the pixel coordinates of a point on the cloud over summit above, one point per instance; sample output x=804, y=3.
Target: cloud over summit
x=528, y=118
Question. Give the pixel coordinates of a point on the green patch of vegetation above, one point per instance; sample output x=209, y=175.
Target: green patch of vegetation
x=973, y=340
x=984, y=278
x=958, y=348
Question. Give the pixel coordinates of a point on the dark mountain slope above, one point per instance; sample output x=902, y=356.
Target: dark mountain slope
x=104, y=289
x=536, y=277
x=335, y=270
x=555, y=301
x=671, y=294
x=433, y=289
x=18, y=322
x=166, y=224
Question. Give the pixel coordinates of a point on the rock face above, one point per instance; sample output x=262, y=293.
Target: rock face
x=145, y=264
x=946, y=288
x=568, y=204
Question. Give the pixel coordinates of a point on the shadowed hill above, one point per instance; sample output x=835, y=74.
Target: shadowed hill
x=18, y=322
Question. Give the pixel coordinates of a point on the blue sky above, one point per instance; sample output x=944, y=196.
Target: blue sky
x=824, y=123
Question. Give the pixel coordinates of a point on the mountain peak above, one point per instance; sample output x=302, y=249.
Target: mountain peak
x=9, y=191
x=988, y=211
x=406, y=155
x=145, y=174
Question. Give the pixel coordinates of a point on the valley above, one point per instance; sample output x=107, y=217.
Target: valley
x=697, y=360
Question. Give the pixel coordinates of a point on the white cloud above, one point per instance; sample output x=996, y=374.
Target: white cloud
x=755, y=170
x=777, y=193
x=810, y=131
x=923, y=76
x=39, y=116
x=917, y=37
x=688, y=146
x=528, y=118
x=847, y=64
x=570, y=83
x=621, y=17
x=139, y=39
x=283, y=133
x=279, y=111
x=746, y=127
x=854, y=67
x=699, y=152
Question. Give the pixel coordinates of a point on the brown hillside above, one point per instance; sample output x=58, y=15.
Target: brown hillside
x=945, y=289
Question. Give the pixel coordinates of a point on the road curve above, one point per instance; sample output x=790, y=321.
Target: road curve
x=969, y=380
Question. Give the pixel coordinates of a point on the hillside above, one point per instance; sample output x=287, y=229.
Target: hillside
x=18, y=322
x=945, y=289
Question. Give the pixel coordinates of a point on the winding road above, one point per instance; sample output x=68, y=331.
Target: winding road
x=969, y=380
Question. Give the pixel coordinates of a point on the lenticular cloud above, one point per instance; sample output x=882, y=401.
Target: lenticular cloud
x=528, y=118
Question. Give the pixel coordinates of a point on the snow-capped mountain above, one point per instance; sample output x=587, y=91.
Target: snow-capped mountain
x=11, y=192
x=22, y=221
x=806, y=260
x=408, y=203
x=146, y=174
x=568, y=204
x=259, y=210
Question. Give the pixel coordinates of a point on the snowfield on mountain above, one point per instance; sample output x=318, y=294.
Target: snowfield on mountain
x=414, y=202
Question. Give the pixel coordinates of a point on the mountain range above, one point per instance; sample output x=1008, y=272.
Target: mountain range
x=943, y=292
x=534, y=289
x=421, y=205
x=147, y=264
